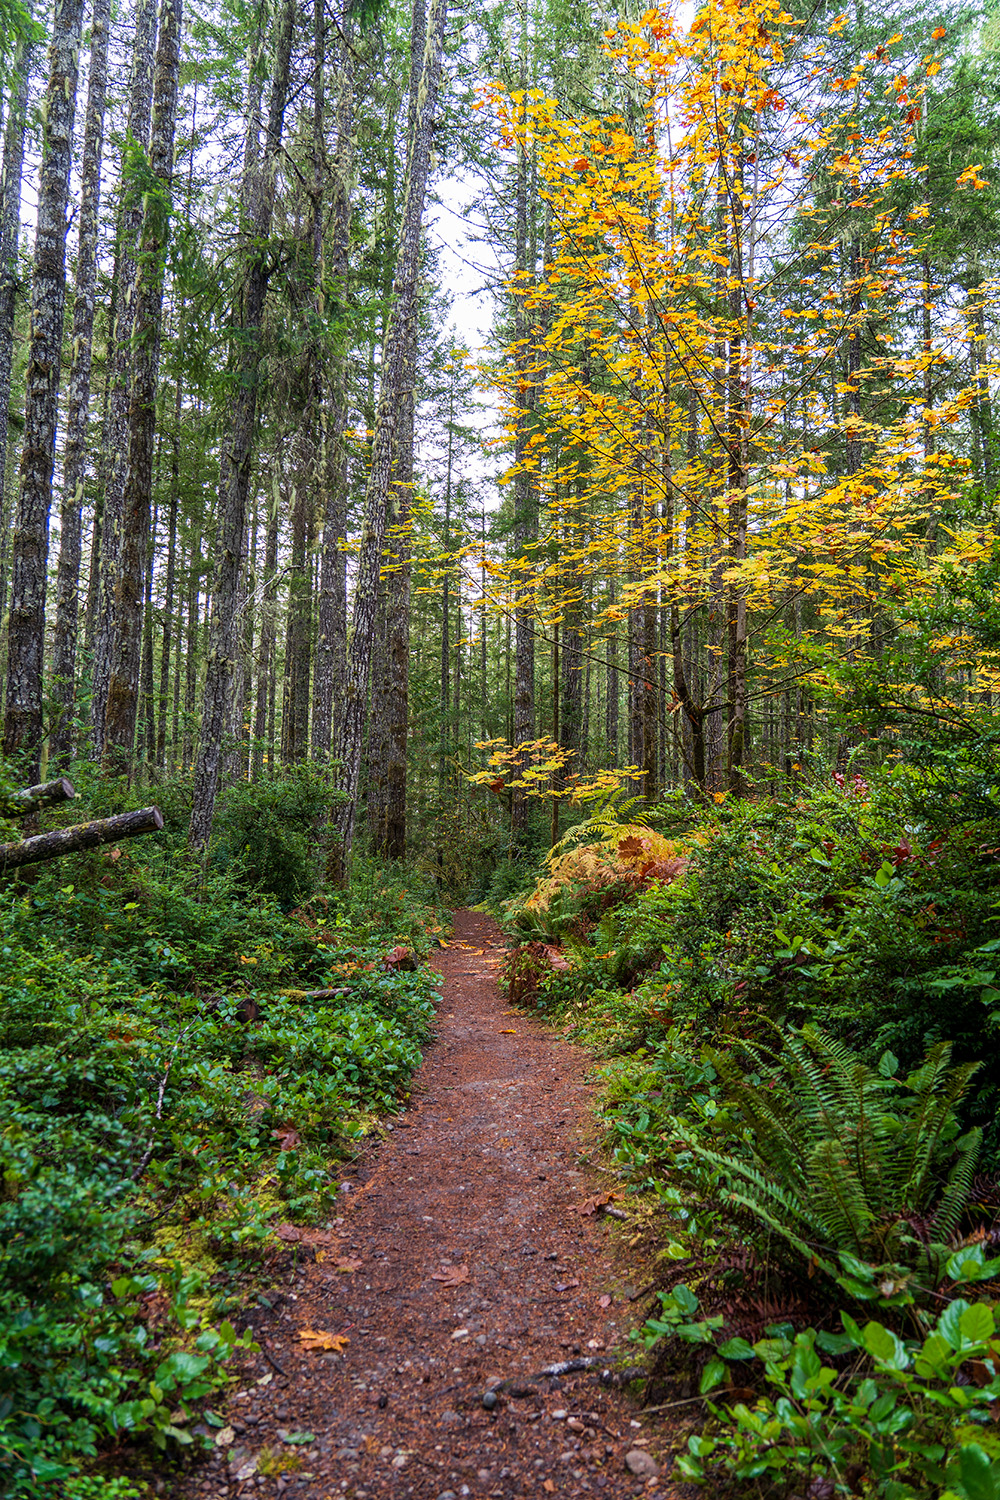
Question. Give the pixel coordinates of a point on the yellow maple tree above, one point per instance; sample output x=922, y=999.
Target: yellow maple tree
x=729, y=413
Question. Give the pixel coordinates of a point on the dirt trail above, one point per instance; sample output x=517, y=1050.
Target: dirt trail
x=482, y=1173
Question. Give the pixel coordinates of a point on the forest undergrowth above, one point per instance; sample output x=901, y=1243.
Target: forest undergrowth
x=187, y=1056
x=793, y=1002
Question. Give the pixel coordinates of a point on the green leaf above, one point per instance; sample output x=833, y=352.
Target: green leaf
x=772, y=1350
x=180, y=1368
x=978, y=1479
x=714, y=1373
x=949, y=1323
x=683, y=1299
x=834, y=1343
x=45, y=1470
x=299, y=1437
x=888, y=1064
x=885, y=1347
x=976, y=1323
x=736, y=1349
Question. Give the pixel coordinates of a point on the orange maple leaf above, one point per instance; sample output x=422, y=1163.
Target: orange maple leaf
x=319, y=1340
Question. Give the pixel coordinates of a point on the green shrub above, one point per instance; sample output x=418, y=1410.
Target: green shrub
x=274, y=831
x=890, y=1417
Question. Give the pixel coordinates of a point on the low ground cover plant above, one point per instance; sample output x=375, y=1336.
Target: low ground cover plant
x=185, y=1062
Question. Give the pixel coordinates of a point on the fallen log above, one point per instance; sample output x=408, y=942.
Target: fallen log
x=16, y=804
x=81, y=836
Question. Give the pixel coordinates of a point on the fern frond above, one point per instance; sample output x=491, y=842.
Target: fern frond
x=759, y=1189
x=959, y=1183
x=841, y=1203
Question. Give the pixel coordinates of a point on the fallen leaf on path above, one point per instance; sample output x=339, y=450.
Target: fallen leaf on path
x=320, y=1236
x=224, y=1437
x=348, y=1264
x=451, y=1275
x=298, y=1437
x=565, y=1286
x=288, y=1233
x=317, y=1340
x=605, y=1301
x=549, y=1487
x=595, y=1204
x=288, y=1137
x=508, y=1031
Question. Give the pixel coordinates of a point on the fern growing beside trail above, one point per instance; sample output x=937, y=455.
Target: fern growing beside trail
x=837, y=1159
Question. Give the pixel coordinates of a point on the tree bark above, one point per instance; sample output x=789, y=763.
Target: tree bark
x=115, y=441
x=380, y=477
x=331, y=640
x=258, y=212
x=397, y=587
x=10, y=235
x=123, y=683
x=265, y=668
x=169, y=583
x=23, y=712
x=81, y=836
x=78, y=406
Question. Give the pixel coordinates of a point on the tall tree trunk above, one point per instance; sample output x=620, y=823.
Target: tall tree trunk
x=10, y=239
x=377, y=742
x=115, y=442
x=611, y=690
x=191, y=650
x=445, y=739
x=401, y=500
x=123, y=683
x=295, y=720
x=169, y=582
x=265, y=669
x=147, y=726
x=78, y=407
x=23, y=709
x=258, y=212
x=331, y=642
x=380, y=477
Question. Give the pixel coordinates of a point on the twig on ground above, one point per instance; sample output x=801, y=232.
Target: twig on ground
x=147, y=1155
x=270, y=1357
x=669, y=1405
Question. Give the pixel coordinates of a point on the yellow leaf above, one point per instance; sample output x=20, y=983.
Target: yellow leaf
x=318, y=1340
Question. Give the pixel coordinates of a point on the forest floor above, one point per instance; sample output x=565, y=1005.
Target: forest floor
x=469, y=1255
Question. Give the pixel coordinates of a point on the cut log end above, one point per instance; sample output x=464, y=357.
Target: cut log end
x=61, y=789
x=82, y=836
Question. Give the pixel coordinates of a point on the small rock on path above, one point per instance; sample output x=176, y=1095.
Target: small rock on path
x=475, y=1272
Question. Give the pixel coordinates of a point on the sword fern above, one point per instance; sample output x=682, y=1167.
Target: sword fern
x=834, y=1157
